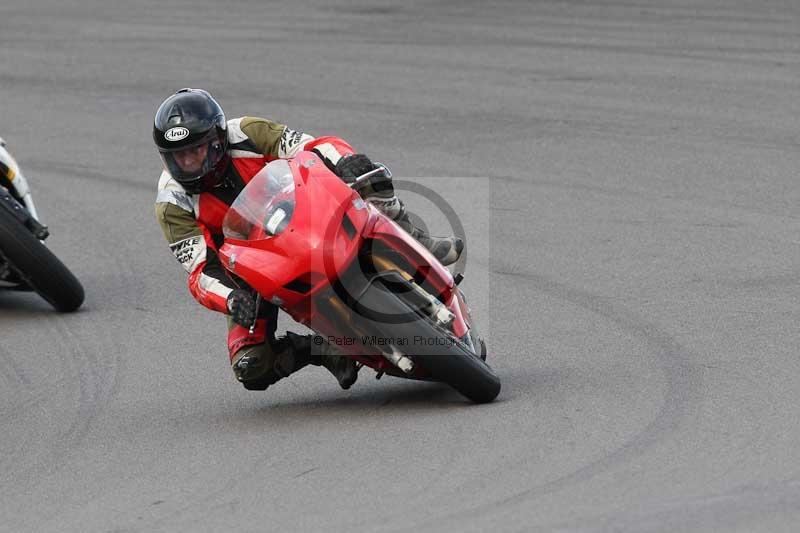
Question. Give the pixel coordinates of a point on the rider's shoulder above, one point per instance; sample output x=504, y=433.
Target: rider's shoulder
x=248, y=120
x=167, y=183
x=254, y=135
x=172, y=192
x=249, y=126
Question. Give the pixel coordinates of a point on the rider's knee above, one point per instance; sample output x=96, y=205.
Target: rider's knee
x=253, y=366
x=258, y=366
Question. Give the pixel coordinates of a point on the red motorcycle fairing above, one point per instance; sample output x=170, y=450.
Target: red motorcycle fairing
x=314, y=243
x=297, y=268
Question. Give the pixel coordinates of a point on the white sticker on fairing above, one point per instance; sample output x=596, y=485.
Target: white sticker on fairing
x=329, y=152
x=176, y=134
x=275, y=220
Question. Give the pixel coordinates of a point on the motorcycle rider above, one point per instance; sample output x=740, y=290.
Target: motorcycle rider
x=207, y=162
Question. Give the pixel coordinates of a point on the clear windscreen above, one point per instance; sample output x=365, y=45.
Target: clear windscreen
x=265, y=207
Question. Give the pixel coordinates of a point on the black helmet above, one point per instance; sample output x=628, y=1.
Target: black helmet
x=192, y=119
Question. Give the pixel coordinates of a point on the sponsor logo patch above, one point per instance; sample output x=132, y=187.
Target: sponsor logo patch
x=176, y=134
x=290, y=139
x=184, y=250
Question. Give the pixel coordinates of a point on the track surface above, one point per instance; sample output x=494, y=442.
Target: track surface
x=630, y=192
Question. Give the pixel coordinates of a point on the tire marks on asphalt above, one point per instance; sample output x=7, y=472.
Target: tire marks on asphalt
x=683, y=378
x=77, y=361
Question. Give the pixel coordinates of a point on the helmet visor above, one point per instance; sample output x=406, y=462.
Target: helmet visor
x=190, y=164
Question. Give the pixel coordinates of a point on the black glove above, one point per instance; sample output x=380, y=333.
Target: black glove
x=242, y=307
x=352, y=166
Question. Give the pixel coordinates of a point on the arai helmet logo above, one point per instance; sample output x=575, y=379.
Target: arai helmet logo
x=176, y=134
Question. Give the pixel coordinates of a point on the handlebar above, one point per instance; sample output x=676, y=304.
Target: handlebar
x=380, y=167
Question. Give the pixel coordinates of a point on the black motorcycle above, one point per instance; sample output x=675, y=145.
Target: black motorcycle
x=26, y=264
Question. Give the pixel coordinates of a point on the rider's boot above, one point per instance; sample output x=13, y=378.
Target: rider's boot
x=259, y=366
x=344, y=369
x=446, y=249
x=303, y=352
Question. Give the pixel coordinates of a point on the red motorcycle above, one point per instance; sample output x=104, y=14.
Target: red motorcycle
x=307, y=242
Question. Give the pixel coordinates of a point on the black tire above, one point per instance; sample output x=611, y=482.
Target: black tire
x=42, y=270
x=458, y=367
x=444, y=357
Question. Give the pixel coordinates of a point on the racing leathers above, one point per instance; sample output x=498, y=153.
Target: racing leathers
x=192, y=225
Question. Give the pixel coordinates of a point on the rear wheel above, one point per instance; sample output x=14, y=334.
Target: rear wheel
x=37, y=265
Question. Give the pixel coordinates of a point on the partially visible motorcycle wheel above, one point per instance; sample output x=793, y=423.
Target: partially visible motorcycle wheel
x=38, y=266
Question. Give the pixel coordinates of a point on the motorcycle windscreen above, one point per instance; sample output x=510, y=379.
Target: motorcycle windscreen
x=265, y=207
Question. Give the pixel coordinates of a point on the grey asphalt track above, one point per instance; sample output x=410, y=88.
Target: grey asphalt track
x=626, y=172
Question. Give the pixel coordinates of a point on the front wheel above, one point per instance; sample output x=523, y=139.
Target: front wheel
x=38, y=266
x=457, y=366
x=444, y=357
